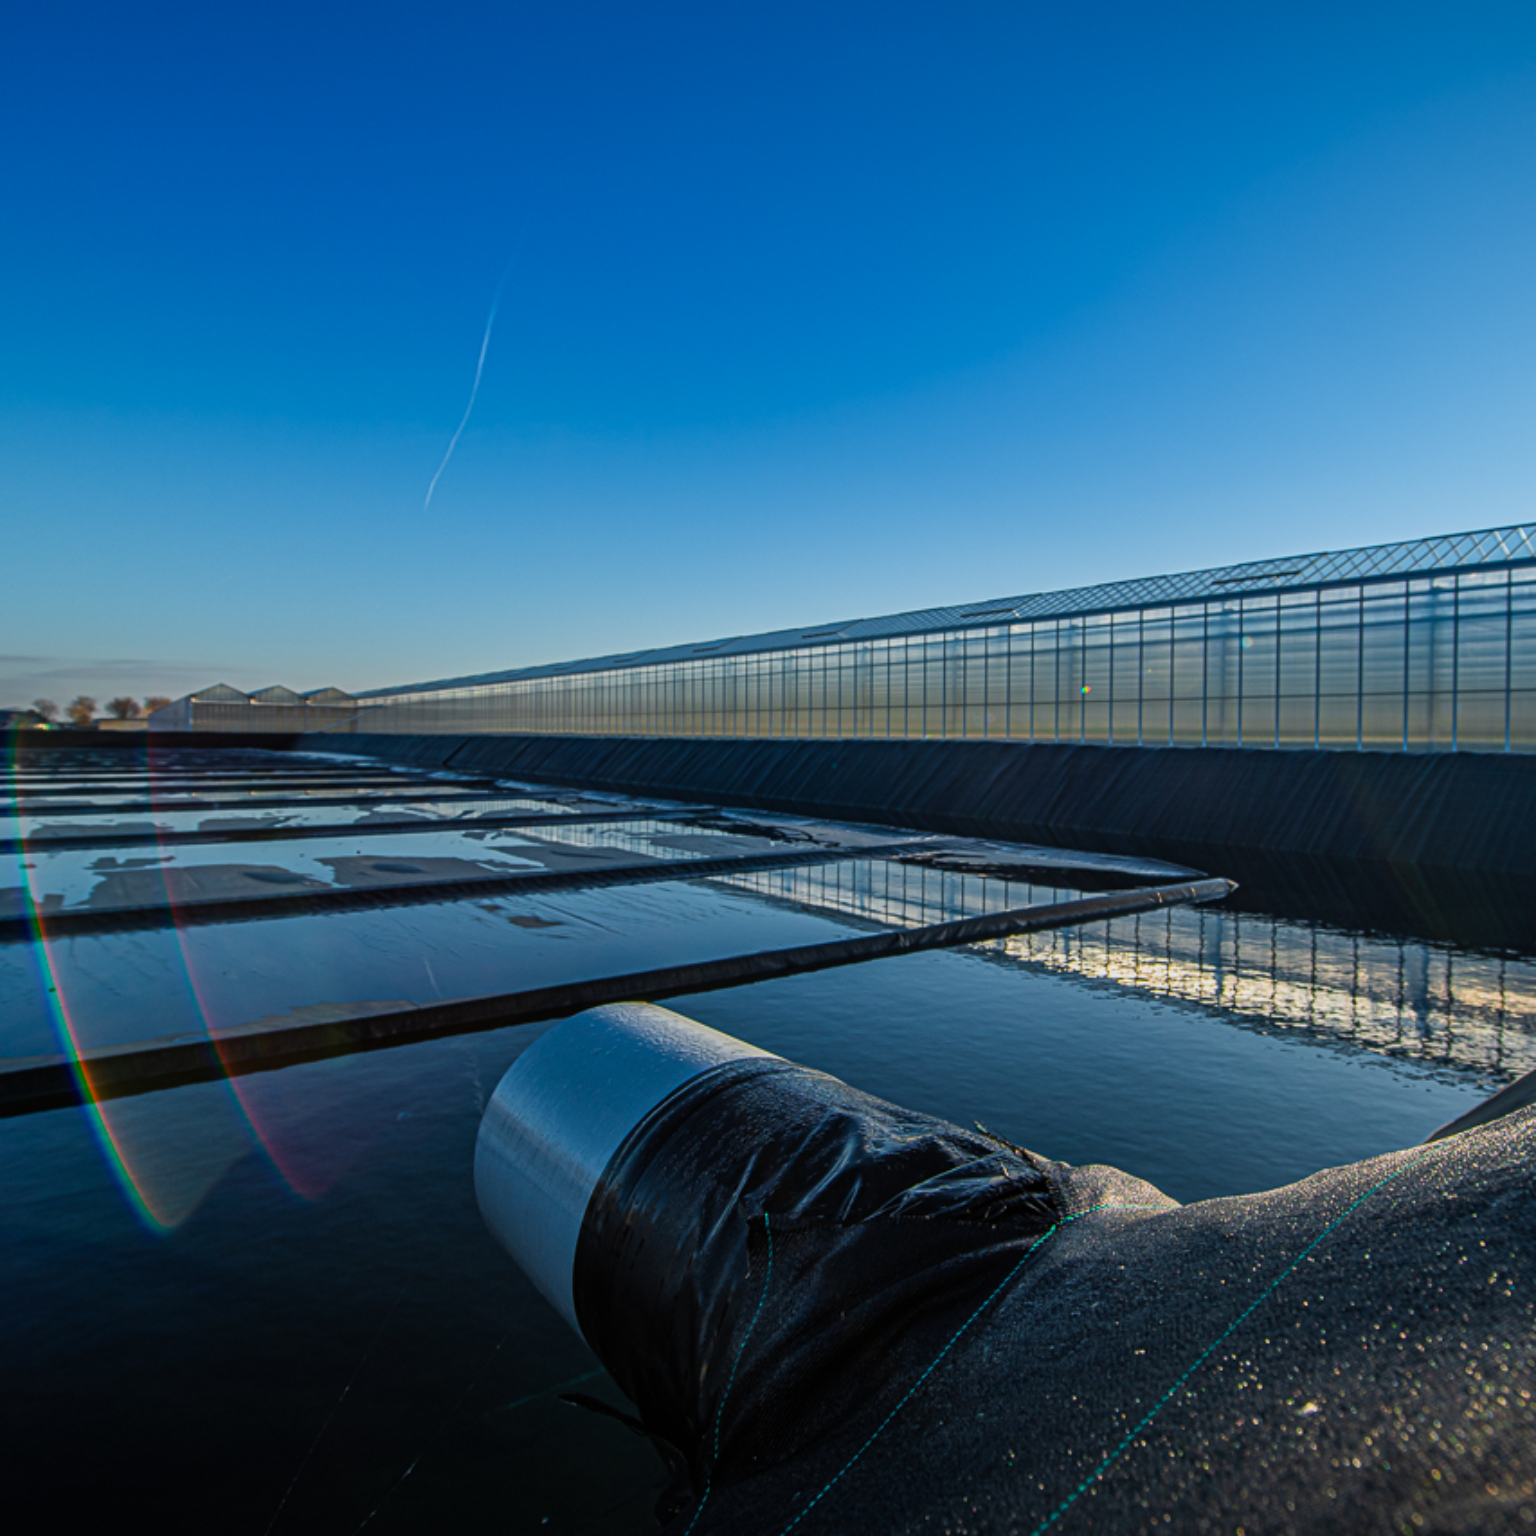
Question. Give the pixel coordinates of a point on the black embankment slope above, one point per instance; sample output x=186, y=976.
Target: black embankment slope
x=1438, y=844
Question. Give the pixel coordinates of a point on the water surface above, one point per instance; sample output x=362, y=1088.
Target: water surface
x=271, y=1306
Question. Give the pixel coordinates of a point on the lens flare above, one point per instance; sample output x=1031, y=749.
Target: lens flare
x=264, y=1133
x=139, y=1199
x=159, y=1210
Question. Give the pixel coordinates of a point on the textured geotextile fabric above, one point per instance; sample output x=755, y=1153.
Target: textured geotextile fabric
x=837, y=1315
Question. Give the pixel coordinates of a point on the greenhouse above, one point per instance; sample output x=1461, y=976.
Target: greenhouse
x=269, y=710
x=1412, y=647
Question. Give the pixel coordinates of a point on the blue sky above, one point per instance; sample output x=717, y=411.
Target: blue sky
x=816, y=311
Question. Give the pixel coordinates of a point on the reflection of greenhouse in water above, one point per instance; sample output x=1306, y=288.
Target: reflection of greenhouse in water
x=1398, y=997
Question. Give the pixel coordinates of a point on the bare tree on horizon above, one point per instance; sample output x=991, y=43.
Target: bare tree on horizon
x=124, y=708
x=46, y=708
x=155, y=701
x=82, y=707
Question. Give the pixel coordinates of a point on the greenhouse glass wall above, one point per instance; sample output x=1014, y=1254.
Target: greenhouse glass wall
x=1427, y=646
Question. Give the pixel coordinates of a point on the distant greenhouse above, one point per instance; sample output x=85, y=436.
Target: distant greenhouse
x=1426, y=646
x=269, y=710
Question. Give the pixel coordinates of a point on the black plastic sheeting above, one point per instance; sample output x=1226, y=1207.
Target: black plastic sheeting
x=1454, y=810
x=864, y=1198
x=837, y=1315
x=1434, y=844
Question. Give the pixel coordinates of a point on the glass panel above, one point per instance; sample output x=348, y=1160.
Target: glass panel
x=1433, y=663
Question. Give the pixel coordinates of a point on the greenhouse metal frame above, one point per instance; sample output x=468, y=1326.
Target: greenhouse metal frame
x=1422, y=646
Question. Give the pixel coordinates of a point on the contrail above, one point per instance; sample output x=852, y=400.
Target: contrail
x=485, y=341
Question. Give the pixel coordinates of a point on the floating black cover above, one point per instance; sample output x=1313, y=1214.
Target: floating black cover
x=845, y=1316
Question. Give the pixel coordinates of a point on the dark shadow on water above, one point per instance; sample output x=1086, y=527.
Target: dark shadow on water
x=1482, y=912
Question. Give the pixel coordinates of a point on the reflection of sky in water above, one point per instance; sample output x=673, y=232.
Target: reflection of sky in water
x=1400, y=998
x=32, y=825
x=1098, y=1070
x=71, y=875
x=322, y=794
x=118, y=989
x=130, y=986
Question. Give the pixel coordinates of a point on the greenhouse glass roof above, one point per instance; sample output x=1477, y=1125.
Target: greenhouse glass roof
x=1490, y=549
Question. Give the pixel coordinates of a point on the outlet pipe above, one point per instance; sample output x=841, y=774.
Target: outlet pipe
x=561, y=1114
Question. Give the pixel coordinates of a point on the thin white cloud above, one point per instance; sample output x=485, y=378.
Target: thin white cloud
x=474, y=389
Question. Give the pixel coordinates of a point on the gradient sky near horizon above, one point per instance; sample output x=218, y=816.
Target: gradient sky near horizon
x=816, y=311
